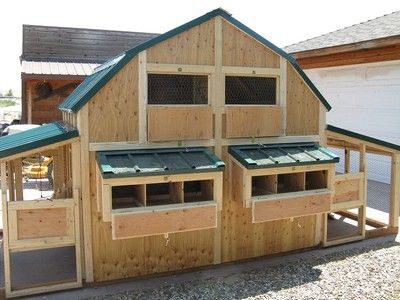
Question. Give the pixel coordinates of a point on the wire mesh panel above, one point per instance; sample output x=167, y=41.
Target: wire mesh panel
x=378, y=192
x=250, y=90
x=177, y=89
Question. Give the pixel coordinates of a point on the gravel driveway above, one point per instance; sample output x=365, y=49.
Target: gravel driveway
x=372, y=272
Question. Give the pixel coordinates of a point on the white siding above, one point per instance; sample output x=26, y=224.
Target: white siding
x=365, y=98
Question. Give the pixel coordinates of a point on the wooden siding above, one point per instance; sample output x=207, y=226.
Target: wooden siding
x=113, y=111
x=302, y=106
x=166, y=123
x=253, y=121
x=239, y=49
x=192, y=47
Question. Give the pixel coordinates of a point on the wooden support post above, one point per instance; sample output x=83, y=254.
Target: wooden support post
x=346, y=160
x=83, y=126
x=76, y=185
x=217, y=103
x=142, y=82
x=362, y=211
x=6, y=253
x=395, y=192
x=282, y=92
x=10, y=181
x=19, y=191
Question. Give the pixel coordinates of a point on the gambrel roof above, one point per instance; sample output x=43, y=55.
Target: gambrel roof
x=93, y=83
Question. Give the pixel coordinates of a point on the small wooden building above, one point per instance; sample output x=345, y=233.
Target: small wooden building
x=55, y=60
x=204, y=145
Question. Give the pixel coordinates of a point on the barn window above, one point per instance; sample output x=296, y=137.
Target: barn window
x=248, y=90
x=177, y=89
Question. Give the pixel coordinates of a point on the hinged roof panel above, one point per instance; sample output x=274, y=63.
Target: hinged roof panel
x=282, y=155
x=148, y=162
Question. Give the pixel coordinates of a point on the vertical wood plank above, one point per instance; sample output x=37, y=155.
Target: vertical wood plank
x=6, y=253
x=395, y=191
x=19, y=191
x=282, y=93
x=76, y=185
x=83, y=126
x=218, y=103
x=142, y=79
x=346, y=160
x=362, y=211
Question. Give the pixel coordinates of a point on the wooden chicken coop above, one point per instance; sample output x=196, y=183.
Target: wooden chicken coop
x=204, y=145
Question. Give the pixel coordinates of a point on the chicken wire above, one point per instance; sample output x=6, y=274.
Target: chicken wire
x=250, y=90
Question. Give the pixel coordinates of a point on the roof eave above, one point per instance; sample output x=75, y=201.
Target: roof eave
x=343, y=48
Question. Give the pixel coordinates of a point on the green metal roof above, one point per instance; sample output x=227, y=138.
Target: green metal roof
x=92, y=84
x=35, y=138
x=148, y=162
x=362, y=137
x=282, y=155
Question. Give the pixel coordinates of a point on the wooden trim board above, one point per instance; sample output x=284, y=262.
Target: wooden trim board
x=149, y=221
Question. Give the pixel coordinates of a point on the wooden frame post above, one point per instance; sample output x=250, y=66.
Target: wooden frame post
x=217, y=103
x=19, y=191
x=142, y=80
x=6, y=253
x=395, y=192
x=362, y=211
x=83, y=126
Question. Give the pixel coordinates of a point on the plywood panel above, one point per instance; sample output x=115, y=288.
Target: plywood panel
x=239, y=49
x=194, y=47
x=253, y=121
x=154, y=222
x=268, y=210
x=115, y=259
x=302, y=106
x=347, y=190
x=38, y=223
x=168, y=123
x=113, y=111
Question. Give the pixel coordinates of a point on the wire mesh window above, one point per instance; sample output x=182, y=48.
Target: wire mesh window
x=250, y=90
x=177, y=89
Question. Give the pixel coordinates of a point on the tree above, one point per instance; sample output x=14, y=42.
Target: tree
x=10, y=93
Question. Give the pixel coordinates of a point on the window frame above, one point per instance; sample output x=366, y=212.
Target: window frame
x=254, y=74
x=183, y=74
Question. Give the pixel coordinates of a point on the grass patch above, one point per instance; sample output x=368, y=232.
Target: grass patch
x=7, y=102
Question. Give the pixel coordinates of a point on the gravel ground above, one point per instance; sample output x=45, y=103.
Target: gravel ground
x=367, y=273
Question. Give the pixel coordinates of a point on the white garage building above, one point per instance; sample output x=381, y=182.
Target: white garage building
x=358, y=69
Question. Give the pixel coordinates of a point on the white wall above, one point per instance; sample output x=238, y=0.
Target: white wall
x=366, y=99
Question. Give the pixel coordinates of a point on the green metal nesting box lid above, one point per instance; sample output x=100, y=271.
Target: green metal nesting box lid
x=148, y=162
x=282, y=155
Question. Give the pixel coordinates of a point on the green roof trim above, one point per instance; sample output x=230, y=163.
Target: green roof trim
x=148, y=162
x=35, y=138
x=362, y=137
x=282, y=155
x=93, y=83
